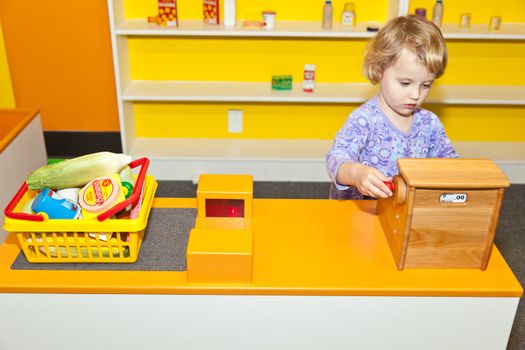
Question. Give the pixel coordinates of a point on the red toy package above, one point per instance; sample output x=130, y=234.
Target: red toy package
x=168, y=13
x=211, y=11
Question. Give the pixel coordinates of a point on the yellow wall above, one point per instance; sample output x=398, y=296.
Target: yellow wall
x=337, y=60
x=7, y=99
x=245, y=59
x=60, y=62
x=261, y=120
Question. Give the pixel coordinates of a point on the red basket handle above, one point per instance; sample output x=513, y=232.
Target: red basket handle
x=135, y=195
x=8, y=211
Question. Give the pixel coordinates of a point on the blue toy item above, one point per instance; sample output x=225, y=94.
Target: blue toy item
x=55, y=206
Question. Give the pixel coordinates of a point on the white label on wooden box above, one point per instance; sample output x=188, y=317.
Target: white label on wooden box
x=453, y=198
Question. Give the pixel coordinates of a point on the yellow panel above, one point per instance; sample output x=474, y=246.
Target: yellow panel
x=241, y=59
x=220, y=256
x=485, y=63
x=260, y=121
x=141, y=9
x=482, y=123
x=7, y=99
x=68, y=74
x=244, y=59
x=225, y=186
x=306, y=10
x=221, y=241
x=297, y=121
x=480, y=10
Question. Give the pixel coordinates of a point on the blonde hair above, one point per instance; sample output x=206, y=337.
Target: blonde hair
x=414, y=33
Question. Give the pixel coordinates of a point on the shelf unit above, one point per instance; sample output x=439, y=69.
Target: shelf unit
x=287, y=159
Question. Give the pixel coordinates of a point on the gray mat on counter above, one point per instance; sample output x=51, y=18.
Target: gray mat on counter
x=163, y=247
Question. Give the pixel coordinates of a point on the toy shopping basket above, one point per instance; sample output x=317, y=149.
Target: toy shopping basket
x=104, y=240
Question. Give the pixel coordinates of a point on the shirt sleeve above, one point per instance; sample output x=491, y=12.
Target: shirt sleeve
x=348, y=144
x=440, y=145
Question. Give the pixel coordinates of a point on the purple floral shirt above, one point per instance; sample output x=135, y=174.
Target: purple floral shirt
x=368, y=137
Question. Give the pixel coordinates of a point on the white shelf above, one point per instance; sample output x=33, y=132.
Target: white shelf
x=244, y=92
x=239, y=149
x=477, y=94
x=283, y=160
x=140, y=27
x=508, y=31
x=162, y=91
x=507, y=152
x=312, y=29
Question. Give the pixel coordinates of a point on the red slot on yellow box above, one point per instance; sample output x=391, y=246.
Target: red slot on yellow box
x=210, y=10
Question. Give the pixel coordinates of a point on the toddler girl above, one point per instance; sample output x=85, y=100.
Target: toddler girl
x=405, y=57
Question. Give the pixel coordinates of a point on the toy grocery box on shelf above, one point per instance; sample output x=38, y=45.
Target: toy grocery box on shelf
x=177, y=85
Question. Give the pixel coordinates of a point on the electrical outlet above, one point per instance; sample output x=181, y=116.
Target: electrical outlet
x=234, y=120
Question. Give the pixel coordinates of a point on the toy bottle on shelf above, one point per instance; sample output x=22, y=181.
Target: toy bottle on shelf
x=328, y=15
x=309, y=78
x=229, y=12
x=437, y=13
x=348, y=16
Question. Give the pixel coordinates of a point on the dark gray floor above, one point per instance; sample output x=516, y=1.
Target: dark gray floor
x=510, y=239
x=510, y=236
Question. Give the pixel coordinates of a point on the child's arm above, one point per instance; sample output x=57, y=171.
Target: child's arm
x=368, y=180
x=442, y=146
x=342, y=161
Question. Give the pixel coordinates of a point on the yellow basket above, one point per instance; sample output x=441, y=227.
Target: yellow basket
x=83, y=241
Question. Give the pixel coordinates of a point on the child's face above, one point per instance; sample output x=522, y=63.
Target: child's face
x=405, y=85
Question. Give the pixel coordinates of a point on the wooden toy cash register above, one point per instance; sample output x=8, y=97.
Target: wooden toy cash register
x=443, y=213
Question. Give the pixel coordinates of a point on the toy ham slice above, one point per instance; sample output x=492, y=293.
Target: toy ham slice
x=99, y=195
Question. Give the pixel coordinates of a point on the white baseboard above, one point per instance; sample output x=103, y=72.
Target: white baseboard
x=285, y=160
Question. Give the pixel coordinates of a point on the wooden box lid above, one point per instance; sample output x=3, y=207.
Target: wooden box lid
x=451, y=173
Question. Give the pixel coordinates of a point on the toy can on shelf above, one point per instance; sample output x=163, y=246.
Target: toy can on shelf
x=210, y=11
x=309, y=78
x=168, y=13
x=464, y=20
x=269, y=19
x=495, y=23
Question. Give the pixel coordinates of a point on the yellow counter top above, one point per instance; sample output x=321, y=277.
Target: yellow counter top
x=301, y=247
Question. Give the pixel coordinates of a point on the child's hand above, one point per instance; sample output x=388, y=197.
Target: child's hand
x=368, y=180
